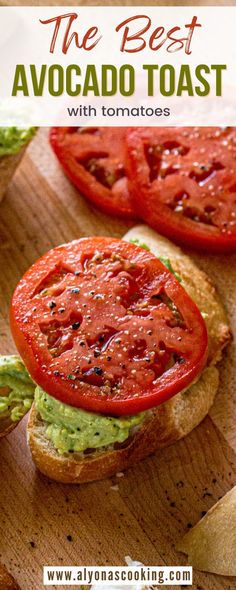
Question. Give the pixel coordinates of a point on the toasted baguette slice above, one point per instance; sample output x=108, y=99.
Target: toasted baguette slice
x=168, y=423
x=8, y=166
x=13, y=375
x=6, y=426
x=7, y=582
x=165, y=424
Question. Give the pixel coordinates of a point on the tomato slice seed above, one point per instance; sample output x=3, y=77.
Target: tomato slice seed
x=185, y=181
x=94, y=160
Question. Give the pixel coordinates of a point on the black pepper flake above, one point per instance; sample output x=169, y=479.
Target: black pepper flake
x=52, y=304
x=69, y=538
x=76, y=325
x=75, y=290
x=206, y=494
x=203, y=513
x=96, y=353
x=61, y=310
x=98, y=370
x=101, y=338
x=32, y=544
x=56, y=373
x=189, y=525
x=108, y=358
x=77, y=273
x=82, y=343
x=178, y=359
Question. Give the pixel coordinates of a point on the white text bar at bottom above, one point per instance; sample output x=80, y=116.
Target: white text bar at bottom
x=134, y=578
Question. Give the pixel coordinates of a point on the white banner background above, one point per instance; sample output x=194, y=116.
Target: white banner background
x=24, y=40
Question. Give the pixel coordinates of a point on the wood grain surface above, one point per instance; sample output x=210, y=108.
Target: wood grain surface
x=42, y=522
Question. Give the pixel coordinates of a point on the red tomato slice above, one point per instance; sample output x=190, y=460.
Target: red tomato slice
x=93, y=159
x=101, y=324
x=186, y=183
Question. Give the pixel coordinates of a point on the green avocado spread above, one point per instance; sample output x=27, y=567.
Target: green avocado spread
x=12, y=139
x=16, y=388
x=75, y=430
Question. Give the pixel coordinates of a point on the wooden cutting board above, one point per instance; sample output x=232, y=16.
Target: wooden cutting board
x=144, y=513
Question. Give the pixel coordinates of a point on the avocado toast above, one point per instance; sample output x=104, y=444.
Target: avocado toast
x=74, y=445
x=16, y=392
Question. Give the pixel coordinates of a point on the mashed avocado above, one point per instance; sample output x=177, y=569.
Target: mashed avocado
x=71, y=429
x=16, y=388
x=12, y=139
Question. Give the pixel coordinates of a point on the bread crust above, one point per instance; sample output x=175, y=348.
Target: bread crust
x=8, y=166
x=6, y=426
x=7, y=430
x=165, y=424
x=7, y=582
